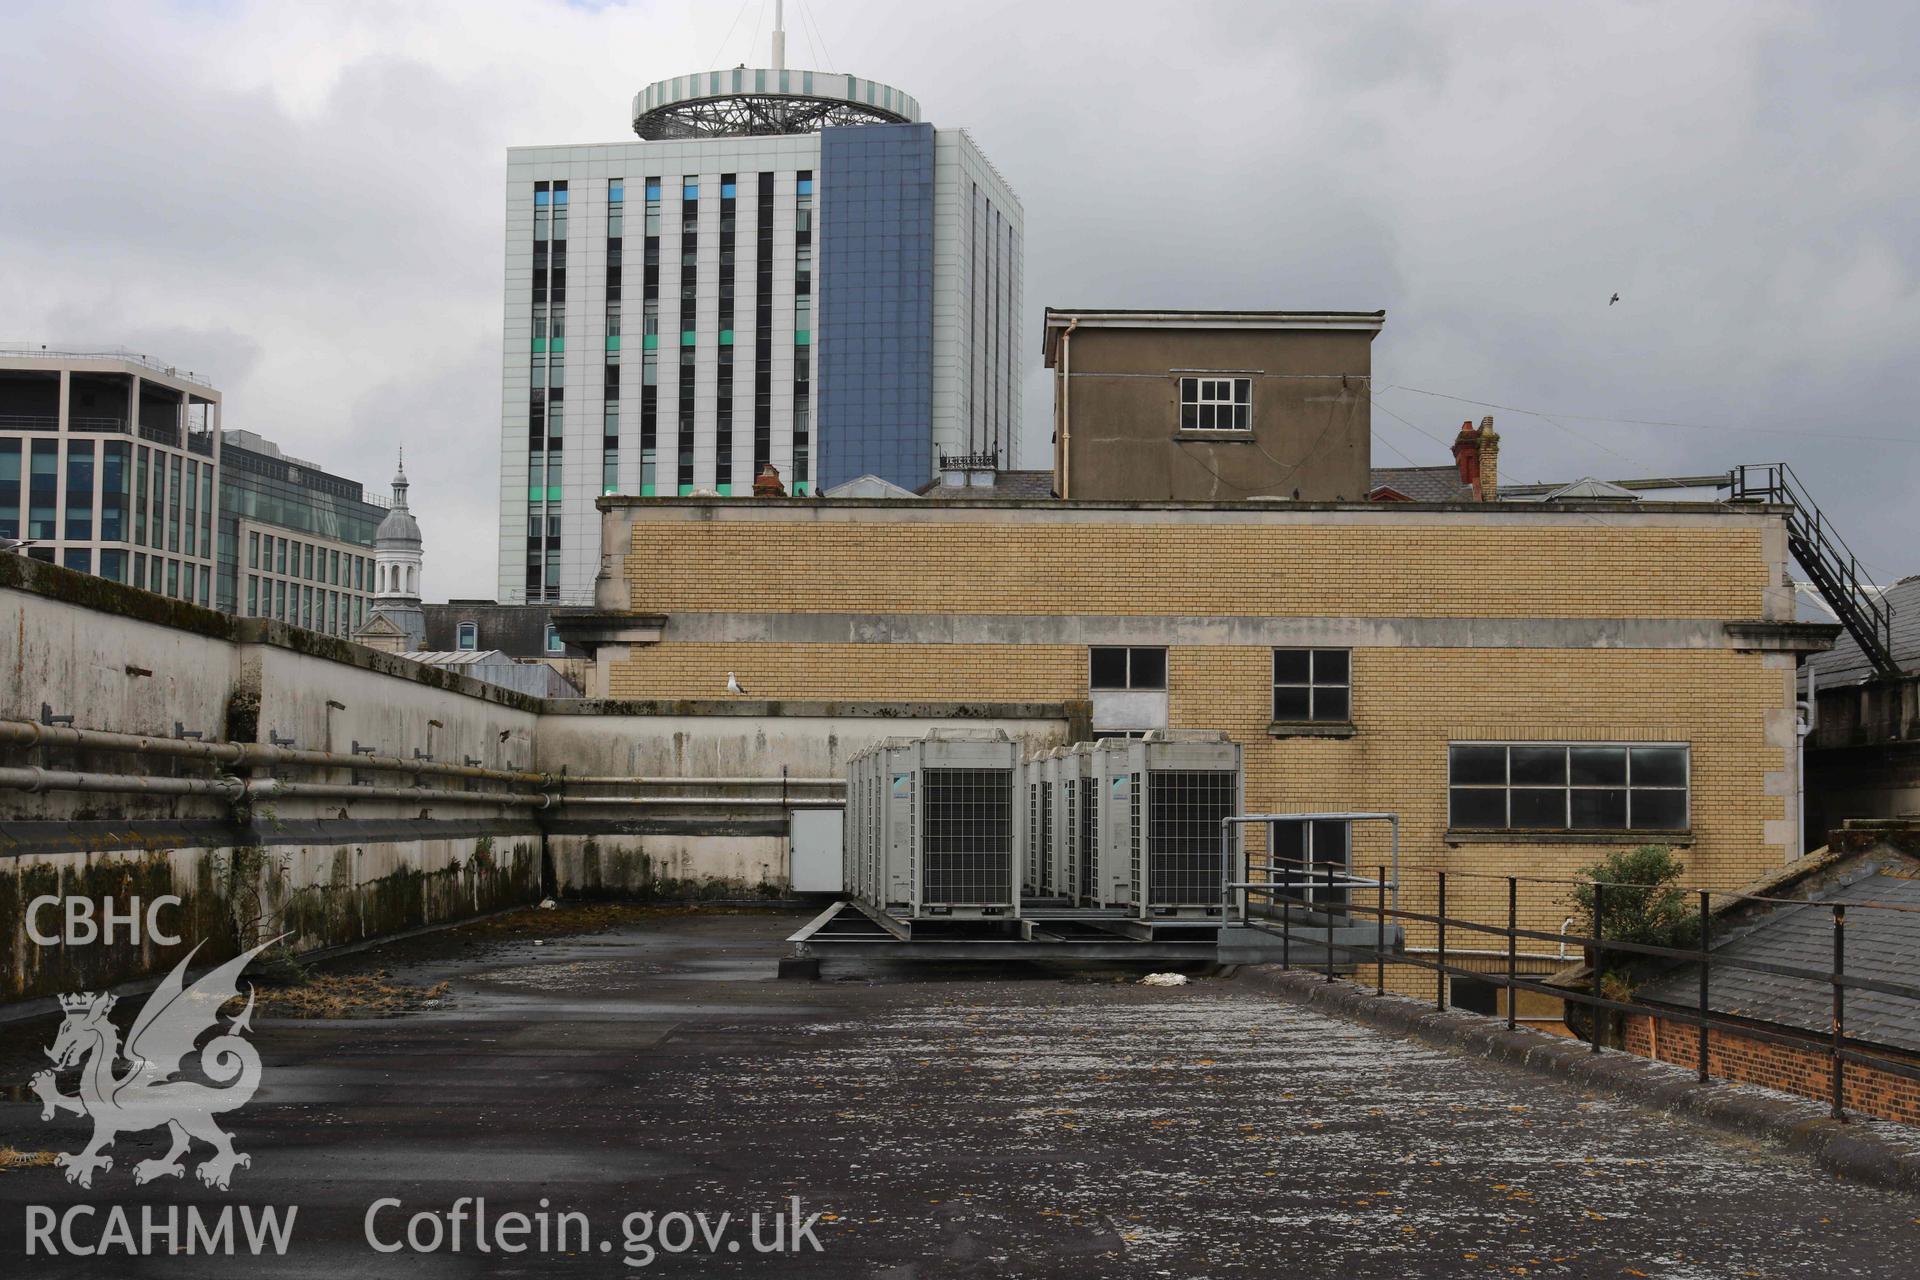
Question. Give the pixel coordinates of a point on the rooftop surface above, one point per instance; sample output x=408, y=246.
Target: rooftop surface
x=945, y=1123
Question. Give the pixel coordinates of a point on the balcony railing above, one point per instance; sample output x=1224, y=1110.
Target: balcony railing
x=34, y=350
x=51, y=422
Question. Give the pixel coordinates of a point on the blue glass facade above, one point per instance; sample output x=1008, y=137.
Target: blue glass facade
x=875, y=287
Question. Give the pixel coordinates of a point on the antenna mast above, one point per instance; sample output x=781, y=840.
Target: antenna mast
x=779, y=35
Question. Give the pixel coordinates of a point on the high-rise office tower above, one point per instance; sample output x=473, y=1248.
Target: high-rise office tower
x=788, y=268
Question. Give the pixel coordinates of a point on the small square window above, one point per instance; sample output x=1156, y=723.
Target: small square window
x=1216, y=404
x=1312, y=684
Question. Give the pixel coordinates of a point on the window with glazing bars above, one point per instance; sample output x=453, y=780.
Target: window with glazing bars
x=1312, y=684
x=1216, y=403
x=1568, y=786
x=1301, y=853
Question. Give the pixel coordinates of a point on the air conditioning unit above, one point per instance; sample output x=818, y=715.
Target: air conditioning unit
x=937, y=826
x=1159, y=847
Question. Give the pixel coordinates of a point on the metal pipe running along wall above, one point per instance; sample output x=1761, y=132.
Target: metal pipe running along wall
x=33, y=779
x=29, y=734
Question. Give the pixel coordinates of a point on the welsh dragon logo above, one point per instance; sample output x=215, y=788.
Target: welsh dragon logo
x=146, y=1095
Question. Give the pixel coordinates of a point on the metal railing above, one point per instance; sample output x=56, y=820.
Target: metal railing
x=1825, y=556
x=1304, y=898
x=35, y=351
x=29, y=422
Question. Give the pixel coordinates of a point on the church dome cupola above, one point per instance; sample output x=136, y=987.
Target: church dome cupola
x=397, y=549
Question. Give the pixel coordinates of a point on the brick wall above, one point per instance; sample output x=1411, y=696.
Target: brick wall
x=1731, y=1056
x=1276, y=570
x=908, y=569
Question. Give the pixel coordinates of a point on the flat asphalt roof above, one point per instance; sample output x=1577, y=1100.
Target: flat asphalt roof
x=944, y=1121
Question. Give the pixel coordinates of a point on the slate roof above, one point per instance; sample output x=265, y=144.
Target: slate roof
x=1588, y=489
x=1006, y=484
x=519, y=630
x=1423, y=484
x=1879, y=944
x=1845, y=664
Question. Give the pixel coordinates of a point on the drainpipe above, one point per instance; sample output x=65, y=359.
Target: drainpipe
x=1806, y=719
x=1066, y=409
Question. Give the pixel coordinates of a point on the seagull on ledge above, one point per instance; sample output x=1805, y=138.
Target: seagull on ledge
x=733, y=685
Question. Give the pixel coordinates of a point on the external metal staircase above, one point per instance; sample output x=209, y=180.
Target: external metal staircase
x=1825, y=558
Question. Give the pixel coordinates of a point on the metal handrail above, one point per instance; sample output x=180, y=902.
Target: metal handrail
x=1823, y=553
x=1839, y=1049
x=35, y=351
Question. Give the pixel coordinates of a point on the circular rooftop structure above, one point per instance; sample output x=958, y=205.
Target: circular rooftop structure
x=758, y=101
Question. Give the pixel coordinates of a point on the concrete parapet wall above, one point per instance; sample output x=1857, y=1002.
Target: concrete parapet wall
x=254, y=852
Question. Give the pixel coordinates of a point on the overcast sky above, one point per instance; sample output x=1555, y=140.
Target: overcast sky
x=304, y=201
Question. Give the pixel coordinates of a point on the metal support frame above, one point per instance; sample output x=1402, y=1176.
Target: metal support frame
x=738, y=115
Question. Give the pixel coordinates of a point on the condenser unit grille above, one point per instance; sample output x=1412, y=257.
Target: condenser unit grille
x=1184, y=834
x=1070, y=836
x=966, y=835
x=1046, y=837
x=1133, y=838
x=1089, y=829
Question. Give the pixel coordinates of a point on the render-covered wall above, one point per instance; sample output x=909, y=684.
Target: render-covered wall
x=323, y=870
x=705, y=849
x=1310, y=436
x=444, y=798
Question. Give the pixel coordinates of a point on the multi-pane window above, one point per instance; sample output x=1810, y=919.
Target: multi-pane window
x=763, y=325
x=467, y=636
x=1302, y=853
x=80, y=489
x=1216, y=403
x=650, y=339
x=1312, y=684
x=1568, y=786
x=686, y=327
x=9, y=488
x=1121, y=668
x=723, y=382
x=802, y=330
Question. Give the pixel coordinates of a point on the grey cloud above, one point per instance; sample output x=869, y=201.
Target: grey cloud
x=309, y=202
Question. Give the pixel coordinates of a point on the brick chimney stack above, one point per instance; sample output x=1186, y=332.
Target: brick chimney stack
x=1477, y=454
x=1488, y=490
x=1466, y=456
x=767, y=483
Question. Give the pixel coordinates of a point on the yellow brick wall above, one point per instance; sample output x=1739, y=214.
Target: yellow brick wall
x=1278, y=570
x=1407, y=705
x=857, y=672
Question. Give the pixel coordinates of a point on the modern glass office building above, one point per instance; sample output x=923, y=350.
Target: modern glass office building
x=788, y=267
x=108, y=464
x=296, y=542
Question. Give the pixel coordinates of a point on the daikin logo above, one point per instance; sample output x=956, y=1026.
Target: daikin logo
x=146, y=1095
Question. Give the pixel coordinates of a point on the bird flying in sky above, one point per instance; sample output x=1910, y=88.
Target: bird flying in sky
x=1615, y=298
